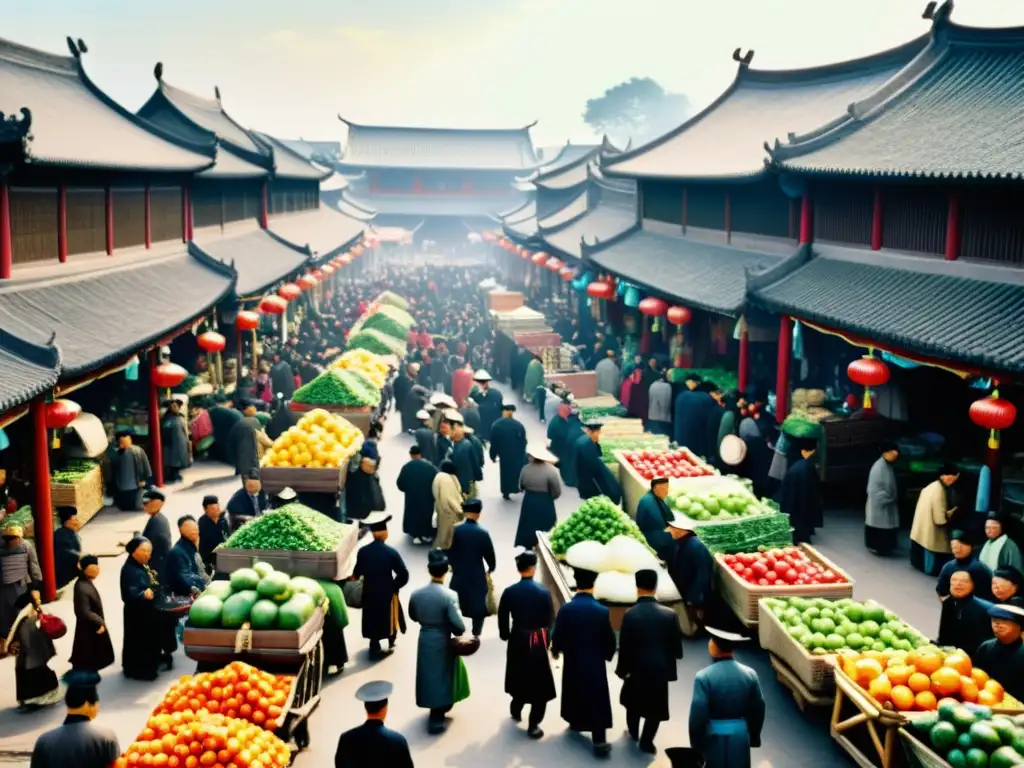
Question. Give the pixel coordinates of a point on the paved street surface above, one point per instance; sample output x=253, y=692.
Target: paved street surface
x=480, y=735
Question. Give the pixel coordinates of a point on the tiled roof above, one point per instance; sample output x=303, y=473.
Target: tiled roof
x=569, y=174
x=325, y=231
x=26, y=370
x=260, y=258
x=74, y=123
x=439, y=148
x=701, y=275
x=610, y=211
x=231, y=166
x=956, y=111
x=947, y=309
x=727, y=139
x=431, y=205
x=577, y=206
x=525, y=211
x=288, y=164
x=209, y=114
x=89, y=311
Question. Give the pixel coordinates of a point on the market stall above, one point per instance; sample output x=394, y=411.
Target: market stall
x=312, y=455
x=638, y=468
x=347, y=393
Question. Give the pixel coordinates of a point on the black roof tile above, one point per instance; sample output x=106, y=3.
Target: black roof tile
x=259, y=257
x=324, y=231
x=26, y=370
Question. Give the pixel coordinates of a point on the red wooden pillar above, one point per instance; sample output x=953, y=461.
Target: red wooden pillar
x=953, y=227
x=42, y=507
x=6, y=246
x=782, y=371
x=149, y=218
x=186, y=213
x=62, y=223
x=806, y=219
x=744, y=364
x=728, y=218
x=684, y=210
x=263, y=206
x=876, y=221
x=108, y=210
x=156, y=449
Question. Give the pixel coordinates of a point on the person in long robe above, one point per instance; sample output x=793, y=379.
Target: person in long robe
x=649, y=645
x=583, y=634
x=183, y=573
x=659, y=406
x=174, y=433
x=246, y=441
x=414, y=402
x=223, y=418
x=282, y=378
x=800, y=493
x=472, y=561
x=558, y=438
x=1005, y=652
x=533, y=381
x=157, y=530
x=447, y=492
x=691, y=567
x=757, y=429
x=425, y=438
x=526, y=614
x=213, y=531
x=416, y=480
x=593, y=477
x=1006, y=581
x=470, y=413
x=489, y=402
x=373, y=744
x=77, y=741
x=479, y=453
x=435, y=608
x=929, y=542
x=964, y=559
x=999, y=549
x=653, y=517
x=67, y=546
x=465, y=461
x=541, y=487
x=574, y=432
x=609, y=377
x=19, y=574
x=92, y=649
x=141, y=647
x=403, y=385
x=35, y=684
x=727, y=710
x=882, y=510
x=130, y=472
x=443, y=443
x=508, y=449
x=363, y=492
x=383, y=573
x=690, y=411
x=964, y=622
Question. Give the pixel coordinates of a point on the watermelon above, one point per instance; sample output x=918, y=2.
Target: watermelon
x=205, y=611
x=263, y=569
x=963, y=742
x=977, y=758
x=956, y=758
x=274, y=586
x=1005, y=757
x=309, y=587
x=962, y=718
x=984, y=737
x=305, y=604
x=264, y=614
x=220, y=589
x=244, y=578
x=238, y=607
x=1005, y=728
x=943, y=736
x=289, y=616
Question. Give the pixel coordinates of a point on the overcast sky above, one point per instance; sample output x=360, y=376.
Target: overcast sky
x=288, y=67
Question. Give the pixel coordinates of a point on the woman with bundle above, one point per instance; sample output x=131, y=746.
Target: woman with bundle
x=35, y=683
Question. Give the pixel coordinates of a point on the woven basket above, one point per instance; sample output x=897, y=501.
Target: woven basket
x=86, y=495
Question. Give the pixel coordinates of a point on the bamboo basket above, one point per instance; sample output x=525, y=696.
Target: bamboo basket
x=745, y=598
x=86, y=495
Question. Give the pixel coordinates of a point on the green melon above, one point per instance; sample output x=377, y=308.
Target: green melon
x=1005, y=757
x=219, y=589
x=238, y=607
x=263, y=569
x=943, y=736
x=309, y=587
x=985, y=737
x=206, y=611
x=264, y=614
x=244, y=578
x=274, y=586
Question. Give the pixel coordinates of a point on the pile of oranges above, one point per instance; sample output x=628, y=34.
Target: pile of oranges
x=921, y=679
x=238, y=690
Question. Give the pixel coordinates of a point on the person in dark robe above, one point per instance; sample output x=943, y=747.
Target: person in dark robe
x=282, y=378
x=463, y=457
x=558, y=434
x=727, y=710
x=583, y=633
x=592, y=475
x=479, y=453
x=92, y=649
x=141, y=648
x=964, y=622
x=183, y=571
x=415, y=480
x=282, y=419
x=425, y=438
x=383, y=573
x=247, y=502
x=1006, y=581
x=223, y=417
x=414, y=402
x=67, y=546
x=964, y=559
x=78, y=741
x=508, y=449
x=363, y=494
x=800, y=492
x=649, y=644
x=157, y=530
x=1005, y=652
x=520, y=358
x=130, y=472
x=757, y=429
x=525, y=616
x=19, y=573
x=472, y=560
x=690, y=409
x=691, y=567
x=213, y=531
x=471, y=414
x=35, y=684
x=489, y=402
x=403, y=385
x=541, y=487
x=373, y=744
x=174, y=433
x=245, y=442
x=653, y=517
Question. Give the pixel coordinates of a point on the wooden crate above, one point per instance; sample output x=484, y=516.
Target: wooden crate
x=214, y=645
x=801, y=694
x=357, y=417
x=86, y=495
x=634, y=486
x=535, y=341
x=336, y=564
x=919, y=754
x=311, y=480
x=505, y=301
x=856, y=714
x=744, y=598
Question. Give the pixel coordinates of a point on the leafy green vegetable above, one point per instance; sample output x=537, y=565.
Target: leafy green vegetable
x=794, y=426
x=601, y=411
x=599, y=519
x=725, y=379
x=338, y=386
x=747, y=534
x=73, y=472
x=393, y=299
x=377, y=342
x=400, y=316
x=292, y=527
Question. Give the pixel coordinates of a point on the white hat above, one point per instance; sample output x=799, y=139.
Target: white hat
x=733, y=450
x=440, y=398
x=481, y=375
x=455, y=416
x=540, y=453
x=422, y=414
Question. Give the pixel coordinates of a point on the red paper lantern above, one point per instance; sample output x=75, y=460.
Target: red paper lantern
x=868, y=372
x=346, y=260
x=652, y=306
x=679, y=315
x=328, y=269
x=168, y=375
x=273, y=305
x=357, y=251
x=60, y=413
x=289, y=292
x=318, y=275
x=247, y=321
x=993, y=412
x=539, y=258
x=601, y=290
x=306, y=282
x=554, y=264
x=567, y=273
x=211, y=341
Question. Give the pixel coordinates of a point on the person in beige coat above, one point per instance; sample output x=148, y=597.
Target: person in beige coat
x=929, y=541
x=447, y=504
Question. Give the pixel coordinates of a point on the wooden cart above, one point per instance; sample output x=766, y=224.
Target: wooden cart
x=802, y=695
x=919, y=754
x=333, y=565
x=358, y=417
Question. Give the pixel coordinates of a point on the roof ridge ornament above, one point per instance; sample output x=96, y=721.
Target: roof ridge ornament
x=216, y=92
x=75, y=53
x=743, y=59
x=158, y=71
x=13, y=128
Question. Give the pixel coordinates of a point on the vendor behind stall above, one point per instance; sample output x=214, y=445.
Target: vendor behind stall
x=130, y=472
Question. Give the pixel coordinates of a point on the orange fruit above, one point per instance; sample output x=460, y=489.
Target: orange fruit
x=968, y=689
x=927, y=663
x=945, y=681
x=850, y=666
x=867, y=670
x=987, y=698
x=880, y=689
x=958, y=661
x=902, y=698
x=980, y=676
x=919, y=682
x=995, y=689
x=925, y=701
x=898, y=675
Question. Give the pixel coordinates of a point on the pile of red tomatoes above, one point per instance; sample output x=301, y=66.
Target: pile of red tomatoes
x=778, y=567
x=677, y=463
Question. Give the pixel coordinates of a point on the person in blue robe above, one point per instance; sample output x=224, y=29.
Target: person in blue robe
x=963, y=622
x=425, y=437
x=727, y=710
x=574, y=432
x=383, y=573
x=489, y=402
x=373, y=744
x=653, y=516
x=472, y=560
x=592, y=475
x=964, y=559
x=443, y=443
x=508, y=449
x=800, y=492
x=416, y=481
x=690, y=416
x=583, y=634
x=558, y=443
x=465, y=460
x=67, y=546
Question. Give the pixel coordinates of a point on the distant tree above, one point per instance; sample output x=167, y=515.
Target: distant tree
x=638, y=109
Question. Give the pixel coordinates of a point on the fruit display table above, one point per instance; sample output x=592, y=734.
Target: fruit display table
x=583, y=384
x=358, y=417
x=635, y=485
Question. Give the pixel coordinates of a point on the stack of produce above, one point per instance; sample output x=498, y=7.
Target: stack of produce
x=558, y=358
x=371, y=366
x=381, y=321
x=923, y=678
x=339, y=386
x=75, y=471
x=970, y=736
x=679, y=462
x=293, y=527
x=377, y=342
x=319, y=440
x=236, y=691
x=260, y=597
x=716, y=505
x=801, y=428
x=397, y=314
x=616, y=564
x=747, y=534
x=596, y=413
x=393, y=299
x=784, y=565
x=830, y=626
x=24, y=519
x=598, y=519
x=645, y=441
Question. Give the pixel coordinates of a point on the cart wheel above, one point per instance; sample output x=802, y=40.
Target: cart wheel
x=301, y=735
